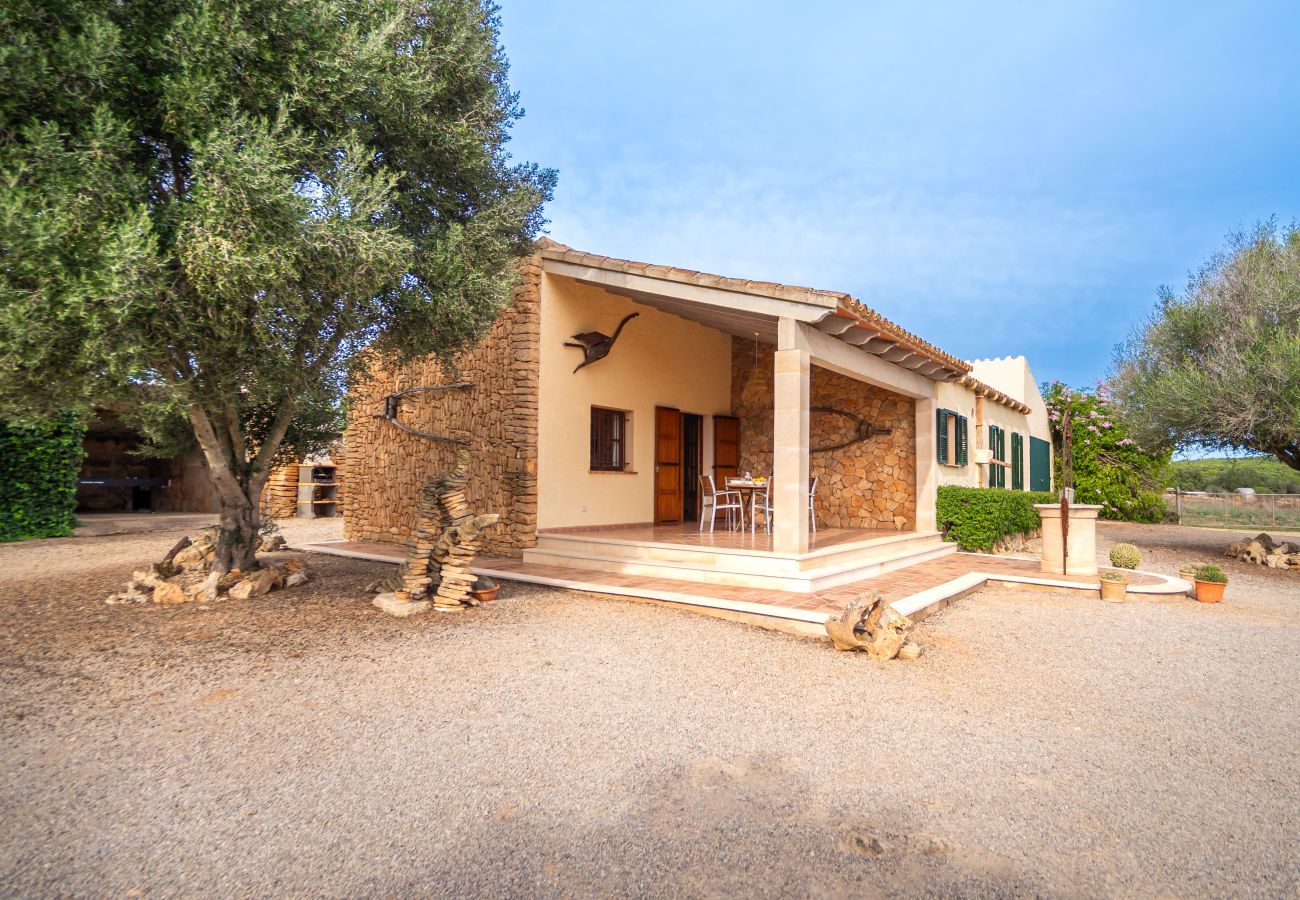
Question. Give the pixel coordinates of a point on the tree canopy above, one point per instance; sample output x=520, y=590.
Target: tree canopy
x=214, y=209
x=1110, y=468
x=1219, y=365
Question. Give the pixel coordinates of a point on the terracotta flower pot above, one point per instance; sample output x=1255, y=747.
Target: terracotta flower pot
x=485, y=596
x=1209, y=591
x=1114, y=591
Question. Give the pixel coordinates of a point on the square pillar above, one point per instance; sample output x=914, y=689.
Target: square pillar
x=791, y=390
x=927, y=465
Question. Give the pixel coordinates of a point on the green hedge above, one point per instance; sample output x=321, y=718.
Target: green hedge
x=38, y=478
x=977, y=518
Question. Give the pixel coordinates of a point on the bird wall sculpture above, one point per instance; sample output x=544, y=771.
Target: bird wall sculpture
x=595, y=345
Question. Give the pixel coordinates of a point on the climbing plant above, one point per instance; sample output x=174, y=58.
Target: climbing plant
x=1110, y=468
x=38, y=478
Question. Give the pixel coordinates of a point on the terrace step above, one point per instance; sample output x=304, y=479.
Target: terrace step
x=818, y=570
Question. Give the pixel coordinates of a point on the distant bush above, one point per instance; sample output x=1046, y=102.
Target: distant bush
x=1125, y=556
x=977, y=518
x=38, y=478
x=1224, y=475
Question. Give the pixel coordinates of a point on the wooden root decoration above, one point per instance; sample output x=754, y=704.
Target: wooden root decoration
x=448, y=534
x=871, y=624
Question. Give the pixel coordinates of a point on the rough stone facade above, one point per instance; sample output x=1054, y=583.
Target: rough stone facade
x=387, y=468
x=870, y=484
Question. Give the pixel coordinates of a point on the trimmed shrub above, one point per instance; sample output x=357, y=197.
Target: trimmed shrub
x=977, y=518
x=38, y=478
x=1125, y=556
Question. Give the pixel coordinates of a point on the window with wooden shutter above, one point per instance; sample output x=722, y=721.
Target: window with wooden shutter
x=963, y=441
x=1017, y=461
x=998, y=450
x=1002, y=457
x=941, y=435
x=608, y=439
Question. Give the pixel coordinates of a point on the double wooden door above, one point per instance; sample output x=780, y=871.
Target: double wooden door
x=669, y=462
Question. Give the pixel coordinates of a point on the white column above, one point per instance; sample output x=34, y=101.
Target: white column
x=790, y=444
x=927, y=466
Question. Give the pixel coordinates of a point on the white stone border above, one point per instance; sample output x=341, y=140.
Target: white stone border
x=911, y=606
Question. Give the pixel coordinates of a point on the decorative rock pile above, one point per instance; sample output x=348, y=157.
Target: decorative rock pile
x=185, y=575
x=1263, y=550
x=446, y=533
x=870, y=623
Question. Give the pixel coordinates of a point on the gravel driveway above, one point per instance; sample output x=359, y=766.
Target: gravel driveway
x=557, y=744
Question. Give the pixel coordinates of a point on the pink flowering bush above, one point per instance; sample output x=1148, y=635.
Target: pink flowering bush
x=1110, y=469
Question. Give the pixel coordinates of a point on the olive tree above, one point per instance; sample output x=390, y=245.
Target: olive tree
x=1219, y=365
x=212, y=211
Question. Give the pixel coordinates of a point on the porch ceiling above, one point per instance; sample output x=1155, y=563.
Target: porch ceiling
x=747, y=308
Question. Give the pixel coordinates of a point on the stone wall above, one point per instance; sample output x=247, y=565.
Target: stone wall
x=871, y=484
x=387, y=468
x=280, y=493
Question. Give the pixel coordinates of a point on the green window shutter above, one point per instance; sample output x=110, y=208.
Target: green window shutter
x=1017, y=461
x=941, y=436
x=1040, y=464
x=1002, y=455
x=963, y=449
x=993, y=451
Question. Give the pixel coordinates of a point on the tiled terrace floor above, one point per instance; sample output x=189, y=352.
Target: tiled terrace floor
x=899, y=585
x=689, y=534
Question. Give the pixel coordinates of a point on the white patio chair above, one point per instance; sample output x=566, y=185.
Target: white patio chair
x=761, y=502
x=812, y=495
x=713, y=500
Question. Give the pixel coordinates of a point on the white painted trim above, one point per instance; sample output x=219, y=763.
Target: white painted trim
x=854, y=362
x=812, y=309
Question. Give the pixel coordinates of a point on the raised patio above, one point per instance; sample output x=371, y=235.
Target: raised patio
x=914, y=590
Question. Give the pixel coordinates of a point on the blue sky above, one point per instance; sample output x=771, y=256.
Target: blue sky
x=1000, y=177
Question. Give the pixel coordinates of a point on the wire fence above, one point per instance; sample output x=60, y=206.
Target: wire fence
x=1236, y=510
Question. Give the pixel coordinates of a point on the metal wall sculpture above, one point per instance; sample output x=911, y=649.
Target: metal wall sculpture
x=595, y=345
x=862, y=429
x=392, y=406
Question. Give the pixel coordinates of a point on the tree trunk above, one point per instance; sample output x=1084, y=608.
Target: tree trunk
x=240, y=525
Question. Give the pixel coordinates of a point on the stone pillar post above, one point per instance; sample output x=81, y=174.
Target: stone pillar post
x=927, y=465
x=1082, y=559
x=792, y=368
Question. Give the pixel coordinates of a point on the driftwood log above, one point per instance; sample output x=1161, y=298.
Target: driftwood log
x=871, y=624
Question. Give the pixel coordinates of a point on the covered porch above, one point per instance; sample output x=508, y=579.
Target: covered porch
x=819, y=388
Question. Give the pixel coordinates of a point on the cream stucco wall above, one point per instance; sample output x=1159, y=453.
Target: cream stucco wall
x=658, y=360
x=1011, y=376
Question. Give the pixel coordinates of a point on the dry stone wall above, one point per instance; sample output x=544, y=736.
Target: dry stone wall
x=387, y=468
x=870, y=484
x=280, y=493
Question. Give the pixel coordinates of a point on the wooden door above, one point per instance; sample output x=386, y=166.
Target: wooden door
x=726, y=449
x=668, y=465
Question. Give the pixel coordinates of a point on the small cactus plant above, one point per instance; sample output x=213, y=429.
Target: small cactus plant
x=1125, y=556
x=1211, y=574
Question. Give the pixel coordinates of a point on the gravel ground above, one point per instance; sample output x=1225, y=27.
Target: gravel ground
x=553, y=743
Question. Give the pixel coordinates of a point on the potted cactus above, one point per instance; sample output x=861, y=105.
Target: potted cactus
x=1114, y=587
x=1210, y=583
x=1187, y=572
x=1125, y=556
x=484, y=589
